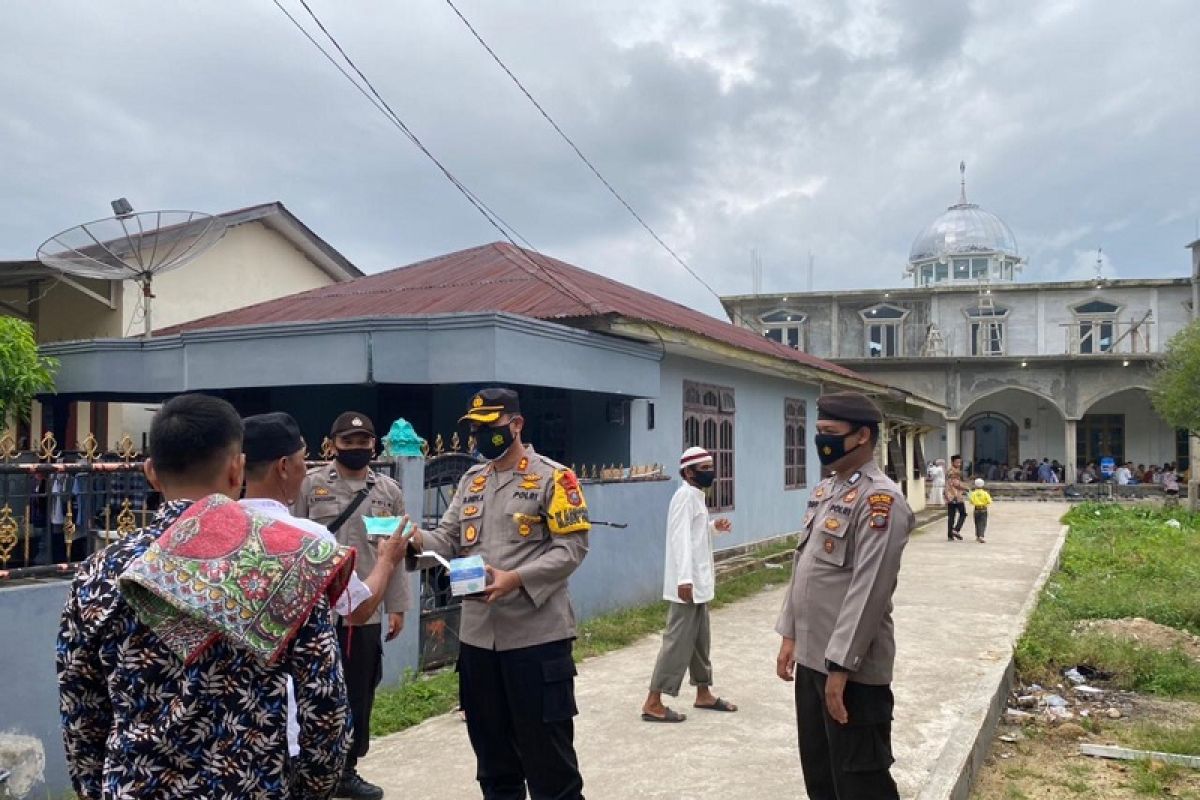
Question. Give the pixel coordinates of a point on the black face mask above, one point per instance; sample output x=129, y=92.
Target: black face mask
x=493, y=442
x=704, y=478
x=831, y=447
x=356, y=458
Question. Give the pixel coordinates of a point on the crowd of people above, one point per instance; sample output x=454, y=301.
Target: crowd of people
x=1047, y=470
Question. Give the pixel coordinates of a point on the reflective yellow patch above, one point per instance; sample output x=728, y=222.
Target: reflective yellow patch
x=568, y=511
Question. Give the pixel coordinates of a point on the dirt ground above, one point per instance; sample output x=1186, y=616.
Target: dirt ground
x=1037, y=759
x=1145, y=632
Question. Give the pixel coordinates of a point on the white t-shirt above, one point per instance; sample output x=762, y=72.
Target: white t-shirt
x=356, y=592
x=689, y=547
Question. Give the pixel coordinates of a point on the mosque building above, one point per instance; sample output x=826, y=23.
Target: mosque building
x=1057, y=370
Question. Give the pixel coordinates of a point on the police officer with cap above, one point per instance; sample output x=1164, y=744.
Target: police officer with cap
x=339, y=496
x=838, y=640
x=525, y=515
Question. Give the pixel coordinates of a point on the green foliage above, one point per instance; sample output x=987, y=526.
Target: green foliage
x=1175, y=396
x=1120, y=562
x=23, y=373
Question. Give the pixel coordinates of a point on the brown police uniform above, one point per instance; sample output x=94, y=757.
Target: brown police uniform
x=515, y=666
x=324, y=494
x=838, y=611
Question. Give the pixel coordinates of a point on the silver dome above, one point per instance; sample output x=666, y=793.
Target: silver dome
x=964, y=228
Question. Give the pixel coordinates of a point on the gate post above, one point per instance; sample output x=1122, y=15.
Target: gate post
x=404, y=652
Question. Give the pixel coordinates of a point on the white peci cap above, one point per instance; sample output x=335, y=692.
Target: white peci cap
x=693, y=456
x=979, y=483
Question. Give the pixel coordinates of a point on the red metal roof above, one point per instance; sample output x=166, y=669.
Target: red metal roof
x=499, y=277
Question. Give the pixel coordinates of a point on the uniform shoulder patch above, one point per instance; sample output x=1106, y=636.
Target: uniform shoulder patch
x=881, y=510
x=567, y=512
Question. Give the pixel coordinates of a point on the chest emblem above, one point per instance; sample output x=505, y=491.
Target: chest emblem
x=470, y=511
x=851, y=496
x=471, y=533
x=321, y=491
x=828, y=546
x=478, y=482
x=832, y=524
x=524, y=529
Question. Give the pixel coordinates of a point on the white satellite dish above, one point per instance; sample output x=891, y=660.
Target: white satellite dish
x=132, y=246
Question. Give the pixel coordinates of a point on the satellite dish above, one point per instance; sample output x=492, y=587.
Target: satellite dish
x=132, y=246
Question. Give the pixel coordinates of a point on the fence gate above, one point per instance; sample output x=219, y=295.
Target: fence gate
x=440, y=612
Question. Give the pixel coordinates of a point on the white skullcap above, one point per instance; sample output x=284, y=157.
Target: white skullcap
x=979, y=483
x=693, y=456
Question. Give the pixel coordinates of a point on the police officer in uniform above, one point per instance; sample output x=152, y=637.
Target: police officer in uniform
x=526, y=516
x=838, y=640
x=339, y=496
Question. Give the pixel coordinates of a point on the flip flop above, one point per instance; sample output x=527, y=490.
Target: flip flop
x=719, y=705
x=670, y=716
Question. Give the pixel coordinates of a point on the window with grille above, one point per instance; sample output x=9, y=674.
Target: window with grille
x=795, y=472
x=708, y=422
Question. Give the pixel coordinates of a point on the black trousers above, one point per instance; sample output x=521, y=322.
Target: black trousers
x=981, y=522
x=519, y=706
x=845, y=762
x=362, y=662
x=956, y=515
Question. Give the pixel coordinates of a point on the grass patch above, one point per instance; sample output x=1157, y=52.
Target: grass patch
x=1184, y=741
x=1120, y=562
x=420, y=697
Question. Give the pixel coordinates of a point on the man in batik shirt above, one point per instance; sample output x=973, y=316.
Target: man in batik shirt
x=140, y=719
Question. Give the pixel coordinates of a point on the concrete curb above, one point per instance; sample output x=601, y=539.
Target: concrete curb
x=960, y=761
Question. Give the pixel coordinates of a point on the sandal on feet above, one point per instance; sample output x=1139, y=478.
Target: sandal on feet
x=718, y=705
x=670, y=716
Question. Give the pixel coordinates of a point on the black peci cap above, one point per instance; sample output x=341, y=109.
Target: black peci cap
x=270, y=436
x=352, y=422
x=848, y=407
x=488, y=405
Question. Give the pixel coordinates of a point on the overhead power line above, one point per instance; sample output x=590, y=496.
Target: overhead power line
x=377, y=100
x=595, y=171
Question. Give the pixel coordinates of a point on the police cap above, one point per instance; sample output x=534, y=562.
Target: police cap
x=488, y=405
x=848, y=407
x=352, y=422
x=270, y=436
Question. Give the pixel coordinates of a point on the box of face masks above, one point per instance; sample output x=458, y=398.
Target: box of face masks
x=467, y=576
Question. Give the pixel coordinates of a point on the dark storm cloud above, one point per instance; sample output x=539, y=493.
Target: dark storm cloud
x=830, y=127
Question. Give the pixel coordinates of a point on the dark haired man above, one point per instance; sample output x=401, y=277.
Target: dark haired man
x=339, y=496
x=956, y=500
x=838, y=641
x=526, y=517
x=275, y=472
x=689, y=584
x=139, y=720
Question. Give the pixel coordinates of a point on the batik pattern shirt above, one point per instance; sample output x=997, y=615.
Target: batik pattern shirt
x=137, y=723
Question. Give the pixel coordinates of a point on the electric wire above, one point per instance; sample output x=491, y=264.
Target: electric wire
x=505, y=229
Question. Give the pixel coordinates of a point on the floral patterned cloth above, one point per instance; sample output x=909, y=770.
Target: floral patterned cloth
x=223, y=569
x=139, y=723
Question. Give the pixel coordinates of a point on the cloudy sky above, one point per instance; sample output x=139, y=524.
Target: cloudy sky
x=834, y=128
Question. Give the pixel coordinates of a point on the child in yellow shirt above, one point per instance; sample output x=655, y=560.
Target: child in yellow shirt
x=980, y=500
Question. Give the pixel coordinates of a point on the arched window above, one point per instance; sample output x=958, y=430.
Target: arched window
x=1095, y=326
x=883, y=327
x=785, y=327
x=795, y=438
x=987, y=330
x=708, y=422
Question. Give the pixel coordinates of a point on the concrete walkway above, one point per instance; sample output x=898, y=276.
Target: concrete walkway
x=958, y=608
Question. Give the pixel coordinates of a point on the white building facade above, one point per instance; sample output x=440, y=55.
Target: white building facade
x=1057, y=370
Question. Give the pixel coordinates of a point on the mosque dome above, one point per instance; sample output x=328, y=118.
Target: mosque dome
x=962, y=229
x=965, y=243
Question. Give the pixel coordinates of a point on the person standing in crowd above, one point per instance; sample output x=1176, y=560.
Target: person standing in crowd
x=173, y=703
x=838, y=642
x=275, y=473
x=937, y=482
x=339, y=496
x=526, y=517
x=981, y=501
x=689, y=584
x=1170, y=482
x=956, y=508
